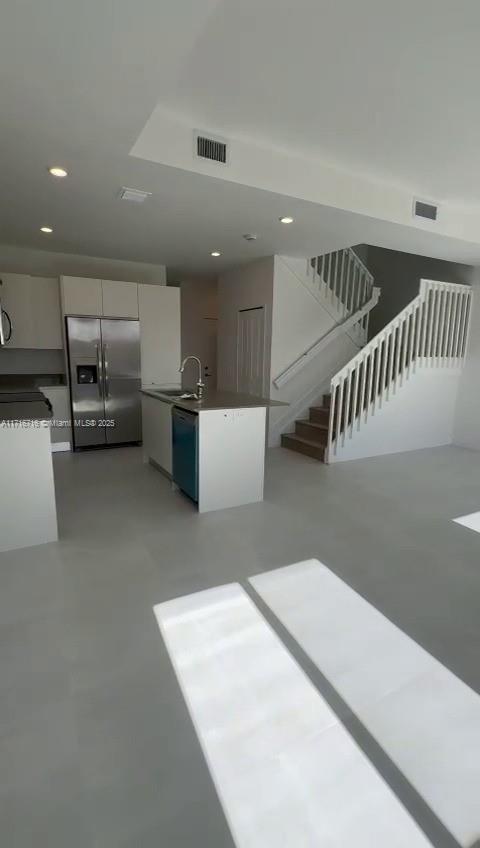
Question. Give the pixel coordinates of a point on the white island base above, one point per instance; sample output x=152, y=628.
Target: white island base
x=231, y=457
x=28, y=513
x=231, y=445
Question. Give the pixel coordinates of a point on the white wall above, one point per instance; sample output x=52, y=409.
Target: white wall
x=245, y=287
x=199, y=323
x=298, y=321
x=167, y=139
x=467, y=421
x=20, y=260
x=421, y=414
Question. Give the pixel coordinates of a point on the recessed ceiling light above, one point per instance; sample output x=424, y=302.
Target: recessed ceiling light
x=46, y=229
x=58, y=172
x=215, y=253
x=286, y=219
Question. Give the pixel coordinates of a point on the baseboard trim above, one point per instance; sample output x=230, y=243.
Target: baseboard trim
x=60, y=446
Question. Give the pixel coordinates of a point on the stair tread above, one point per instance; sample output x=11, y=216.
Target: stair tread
x=315, y=424
x=303, y=440
x=321, y=408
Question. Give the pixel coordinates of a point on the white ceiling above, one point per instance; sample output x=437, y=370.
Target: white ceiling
x=386, y=88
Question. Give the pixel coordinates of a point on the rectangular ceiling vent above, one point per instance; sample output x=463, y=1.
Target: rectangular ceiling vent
x=134, y=194
x=422, y=209
x=211, y=148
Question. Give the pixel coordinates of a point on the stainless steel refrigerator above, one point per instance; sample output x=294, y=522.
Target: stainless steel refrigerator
x=104, y=366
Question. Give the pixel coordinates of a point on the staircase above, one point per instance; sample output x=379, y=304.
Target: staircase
x=428, y=337
x=311, y=434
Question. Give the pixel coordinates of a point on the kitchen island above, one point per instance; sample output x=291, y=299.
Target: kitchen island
x=27, y=495
x=226, y=451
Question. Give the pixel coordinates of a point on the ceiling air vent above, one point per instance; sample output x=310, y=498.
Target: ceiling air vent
x=134, y=194
x=213, y=149
x=421, y=209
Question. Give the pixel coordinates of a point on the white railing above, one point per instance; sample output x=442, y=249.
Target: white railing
x=431, y=331
x=343, y=280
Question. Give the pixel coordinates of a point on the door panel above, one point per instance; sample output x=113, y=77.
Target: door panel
x=86, y=381
x=121, y=348
x=251, y=351
x=123, y=407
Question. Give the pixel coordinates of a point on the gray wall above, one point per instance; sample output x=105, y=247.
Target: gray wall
x=199, y=322
x=399, y=274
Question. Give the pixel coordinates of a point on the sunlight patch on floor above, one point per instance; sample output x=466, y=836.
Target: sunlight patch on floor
x=471, y=521
x=423, y=716
x=286, y=771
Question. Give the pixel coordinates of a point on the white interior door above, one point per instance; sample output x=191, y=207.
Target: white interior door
x=251, y=351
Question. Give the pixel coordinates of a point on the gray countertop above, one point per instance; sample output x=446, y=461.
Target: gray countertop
x=23, y=405
x=213, y=400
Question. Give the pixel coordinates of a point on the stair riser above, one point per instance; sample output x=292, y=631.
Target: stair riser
x=326, y=401
x=313, y=433
x=319, y=416
x=307, y=450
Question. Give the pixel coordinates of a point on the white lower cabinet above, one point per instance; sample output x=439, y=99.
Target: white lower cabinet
x=157, y=432
x=61, y=425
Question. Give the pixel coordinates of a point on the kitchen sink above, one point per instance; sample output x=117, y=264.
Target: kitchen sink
x=176, y=394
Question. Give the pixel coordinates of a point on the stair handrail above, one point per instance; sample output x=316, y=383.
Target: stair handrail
x=432, y=327
x=312, y=350
x=360, y=262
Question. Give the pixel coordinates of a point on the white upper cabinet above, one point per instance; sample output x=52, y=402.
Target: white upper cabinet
x=33, y=304
x=120, y=300
x=159, y=312
x=15, y=297
x=45, y=295
x=100, y=298
x=81, y=296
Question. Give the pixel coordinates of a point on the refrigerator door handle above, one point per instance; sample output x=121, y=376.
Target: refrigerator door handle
x=105, y=371
x=100, y=370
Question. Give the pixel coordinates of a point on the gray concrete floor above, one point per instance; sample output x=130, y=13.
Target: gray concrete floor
x=96, y=745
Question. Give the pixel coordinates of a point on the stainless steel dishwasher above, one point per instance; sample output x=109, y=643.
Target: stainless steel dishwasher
x=185, y=451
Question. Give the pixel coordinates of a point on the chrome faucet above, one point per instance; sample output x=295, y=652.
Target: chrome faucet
x=200, y=383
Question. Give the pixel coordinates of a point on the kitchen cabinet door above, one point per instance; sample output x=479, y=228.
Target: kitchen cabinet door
x=159, y=313
x=157, y=432
x=15, y=294
x=47, y=322
x=81, y=296
x=120, y=300
x=60, y=428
